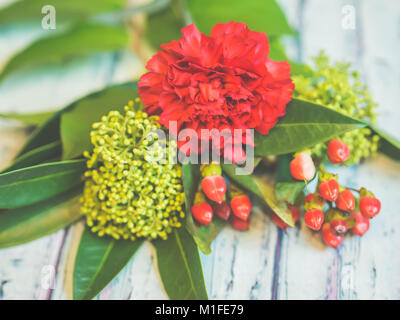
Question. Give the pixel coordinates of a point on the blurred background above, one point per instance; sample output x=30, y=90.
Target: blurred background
x=54, y=52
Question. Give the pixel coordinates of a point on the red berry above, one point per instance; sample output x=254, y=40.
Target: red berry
x=370, y=206
x=362, y=224
x=314, y=219
x=214, y=188
x=302, y=167
x=339, y=226
x=222, y=210
x=283, y=225
x=309, y=197
x=202, y=212
x=240, y=224
x=241, y=206
x=331, y=238
x=338, y=151
x=329, y=190
x=345, y=201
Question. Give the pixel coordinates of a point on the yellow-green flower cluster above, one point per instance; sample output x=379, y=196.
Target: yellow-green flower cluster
x=339, y=88
x=126, y=194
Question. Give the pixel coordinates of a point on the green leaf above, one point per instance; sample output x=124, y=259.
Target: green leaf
x=180, y=267
x=202, y=235
x=278, y=207
x=305, y=124
x=66, y=11
x=77, y=121
x=45, y=134
x=98, y=262
x=32, y=119
x=77, y=41
x=388, y=144
x=21, y=225
x=26, y=186
x=259, y=15
x=50, y=130
x=262, y=190
x=276, y=50
x=163, y=27
x=243, y=181
x=300, y=69
x=41, y=154
x=288, y=191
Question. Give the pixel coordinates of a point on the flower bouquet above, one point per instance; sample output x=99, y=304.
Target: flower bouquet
x=213, y=128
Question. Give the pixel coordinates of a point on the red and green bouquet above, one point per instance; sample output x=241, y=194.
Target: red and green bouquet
x=220, y=124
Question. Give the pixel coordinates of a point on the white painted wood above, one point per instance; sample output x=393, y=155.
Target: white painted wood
x=264, y=263
x=243, y=262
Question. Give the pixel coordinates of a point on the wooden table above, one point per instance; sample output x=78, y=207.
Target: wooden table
x=264, y=263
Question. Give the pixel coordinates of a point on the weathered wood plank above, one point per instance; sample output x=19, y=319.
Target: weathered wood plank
x=243, y=262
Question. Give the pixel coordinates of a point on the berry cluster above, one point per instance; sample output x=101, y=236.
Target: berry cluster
x=332, y=208
x=211, y=198
x=338, y=87
x=126, y=195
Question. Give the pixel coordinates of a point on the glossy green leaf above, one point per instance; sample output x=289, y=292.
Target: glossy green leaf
x=163, y=27
x=300, y=69
x=388, y=144
x=26, y=186
x=180, y=267
x=259, y=15
x=41, y=154
x=24, y=11
x=305, y=124
x=262, y=190
x=276, y=50
x=278, y=207
x=45, y=134
x=243, y=181
x=202, y=235
x=31, y=119
x=288, y=191
x=21, y=225
x=77, y=121
x=50, y=130
x=75, y=42
x=98, y=262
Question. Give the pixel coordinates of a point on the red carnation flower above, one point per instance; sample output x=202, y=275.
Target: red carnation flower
x=222, y=81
